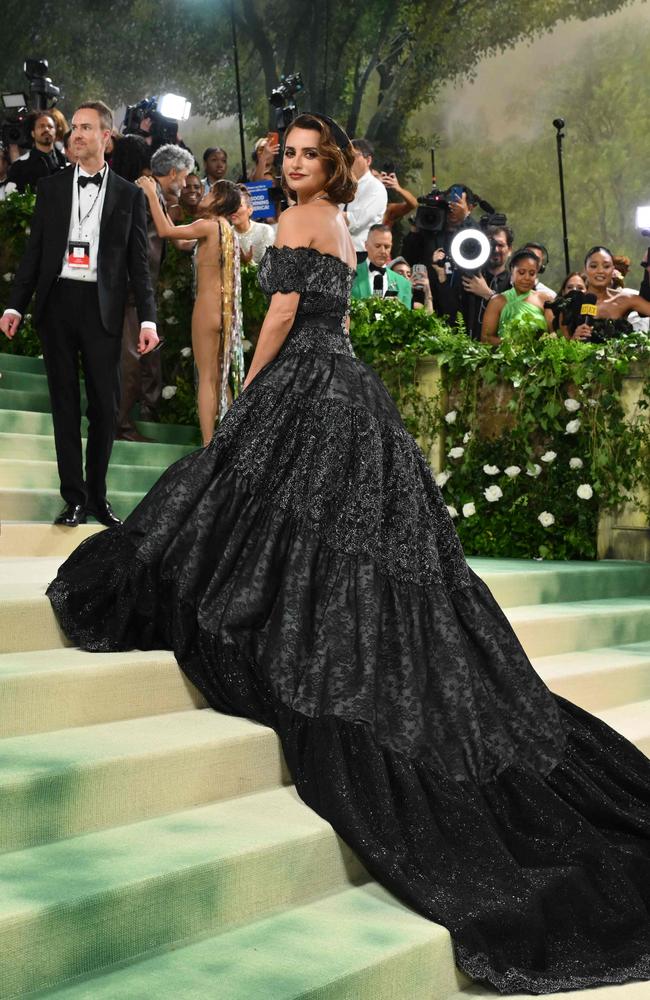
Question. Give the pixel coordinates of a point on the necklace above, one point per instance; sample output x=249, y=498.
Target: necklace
x=317, y=198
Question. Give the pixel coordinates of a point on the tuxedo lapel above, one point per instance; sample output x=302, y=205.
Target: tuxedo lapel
x=64, y=203
x=110, y=201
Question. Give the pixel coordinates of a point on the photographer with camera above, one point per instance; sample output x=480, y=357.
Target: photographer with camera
x=403, y=203
x=471, y=296
x=369, y=204
x=43, y=159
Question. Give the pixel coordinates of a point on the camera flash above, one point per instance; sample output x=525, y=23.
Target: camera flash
x=174, y=106
x=643, y=217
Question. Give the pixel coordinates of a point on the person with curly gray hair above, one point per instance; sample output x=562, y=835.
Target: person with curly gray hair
x=142, y=375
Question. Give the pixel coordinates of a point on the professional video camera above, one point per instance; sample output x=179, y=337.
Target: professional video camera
x=282, y=100
x=162, y=115
x=16, y=108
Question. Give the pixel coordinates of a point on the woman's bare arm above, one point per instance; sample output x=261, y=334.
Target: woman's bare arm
x=164, y=227
x=292, y=232
x=491, y=318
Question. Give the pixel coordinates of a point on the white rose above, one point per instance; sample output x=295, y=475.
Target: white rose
x=451, y=416
x=171, y=321
x=452, y=511
x=8, y=276
x=169, y=391
x=467, y=436
x=575, y=463
x=493, y=493
x=546, y=519
x=468, y=509
x=378, y=316
x=600, y=353
x=585, y=491
x=549, y=456
x=186, y=352
x=535, y=471
x=168, y=293
x=442, y=478
x=491, y=470
x=572, y=427
x=457, y=452
x=572, y=405
x=592, y=402
x=246, y=344
x=28, y=230
x=512, y=471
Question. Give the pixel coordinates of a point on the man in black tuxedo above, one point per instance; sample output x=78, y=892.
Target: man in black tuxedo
x=88, y=239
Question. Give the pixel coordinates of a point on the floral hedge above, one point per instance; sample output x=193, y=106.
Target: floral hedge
x=536, y=441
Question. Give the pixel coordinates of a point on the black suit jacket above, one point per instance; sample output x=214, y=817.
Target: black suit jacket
x=122, y=255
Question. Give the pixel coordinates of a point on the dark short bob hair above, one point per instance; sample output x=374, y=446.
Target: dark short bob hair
x=340, y=185
x=227, y=199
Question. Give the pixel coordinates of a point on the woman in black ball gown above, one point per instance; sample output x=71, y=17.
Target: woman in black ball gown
x=306, y=574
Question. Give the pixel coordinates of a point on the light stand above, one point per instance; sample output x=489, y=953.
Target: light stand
x=558, y=125
x=240, y=113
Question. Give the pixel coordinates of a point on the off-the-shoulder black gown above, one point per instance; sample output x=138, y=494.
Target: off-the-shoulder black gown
x=305, y=572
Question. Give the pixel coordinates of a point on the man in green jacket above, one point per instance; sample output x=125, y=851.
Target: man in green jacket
x=373, y=277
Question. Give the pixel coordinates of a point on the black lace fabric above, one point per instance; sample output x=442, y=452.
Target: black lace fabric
x=306, y=574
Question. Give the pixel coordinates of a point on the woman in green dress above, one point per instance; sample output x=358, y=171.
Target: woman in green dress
x=519, y=302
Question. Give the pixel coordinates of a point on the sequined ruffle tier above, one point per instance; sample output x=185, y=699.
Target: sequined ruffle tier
x=305, y=572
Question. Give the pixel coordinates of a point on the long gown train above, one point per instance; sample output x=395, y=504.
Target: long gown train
x=305, y=572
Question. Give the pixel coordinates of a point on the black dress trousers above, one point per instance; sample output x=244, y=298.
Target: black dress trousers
x=71, y=333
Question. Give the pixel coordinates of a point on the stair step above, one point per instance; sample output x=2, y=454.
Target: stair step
x=43, y=475
x=72, y=781
x=69, y=908
x=52, y=689
x=21, y=363
x=29, y=381
x=544, y=630
x=30, y=539
x=355, y=944
x=25, y=399
x=516, y=582
x=43, y=505
x=597, y=679
x=40, y=447
x=547, y=629
x=23, y=419
x=633, y=722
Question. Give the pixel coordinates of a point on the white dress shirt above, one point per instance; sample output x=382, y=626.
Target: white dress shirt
x=372, y=275
x=85, y=218
x=367, y=209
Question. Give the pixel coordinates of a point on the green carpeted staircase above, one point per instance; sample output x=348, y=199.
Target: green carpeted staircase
x=29, y=485
x=153, y=848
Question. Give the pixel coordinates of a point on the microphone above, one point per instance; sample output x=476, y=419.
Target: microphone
x=378, y=285
x=588, y=308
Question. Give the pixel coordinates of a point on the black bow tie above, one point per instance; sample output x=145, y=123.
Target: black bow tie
x=95, y=179
x=379, y=270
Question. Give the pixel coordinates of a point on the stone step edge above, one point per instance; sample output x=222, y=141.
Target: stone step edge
x=297, y=857
x=92, y=778
x=396, y=950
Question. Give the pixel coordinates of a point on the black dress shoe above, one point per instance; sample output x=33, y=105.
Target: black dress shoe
x=72, y=515
x=103, y=512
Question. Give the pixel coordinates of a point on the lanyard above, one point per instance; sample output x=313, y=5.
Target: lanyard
x=95, y=200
